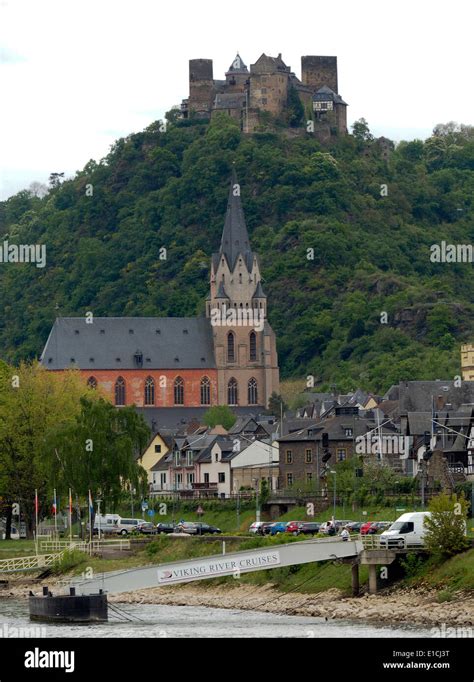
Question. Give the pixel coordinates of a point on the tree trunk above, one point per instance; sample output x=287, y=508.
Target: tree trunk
x=8, y=525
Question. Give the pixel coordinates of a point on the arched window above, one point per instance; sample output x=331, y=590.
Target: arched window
x=92, y=382
x=252, y=392
x=179, y=391
x=230, y=347
x=120, y=391
x=253, y=347
x=205, y=391
x=149, y=391
x=232, y=392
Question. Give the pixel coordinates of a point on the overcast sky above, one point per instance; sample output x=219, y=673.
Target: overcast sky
x=76, y=75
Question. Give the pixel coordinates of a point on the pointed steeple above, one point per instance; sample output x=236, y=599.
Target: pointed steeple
x=237, y=65
x=235, y=239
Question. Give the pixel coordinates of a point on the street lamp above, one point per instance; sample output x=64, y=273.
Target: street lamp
x=335, y=482
x=99, y=502
x=257, y=510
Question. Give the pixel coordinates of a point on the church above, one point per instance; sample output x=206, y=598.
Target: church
x=228, y=357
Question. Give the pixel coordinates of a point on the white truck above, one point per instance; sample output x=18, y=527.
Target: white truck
x=407, y=531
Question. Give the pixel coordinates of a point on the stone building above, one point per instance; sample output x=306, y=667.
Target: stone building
x=228, y=357
x=467, y=362
x=267, y=87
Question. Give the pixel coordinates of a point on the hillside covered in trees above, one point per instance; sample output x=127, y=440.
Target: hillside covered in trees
x=370, y=220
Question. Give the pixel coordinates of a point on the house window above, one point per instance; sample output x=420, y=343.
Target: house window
x=230, y=347
x=289, y=480
x=341, y=455
x=349, y=433
x=309, y=477
x=120, y=392
x=149, y=391
x=163, y=480
x=232, y=392
x=157, y=449
x=205, y=391
x=252, y=392
x=221, y=477
x=308, y=456
x=92, y=382
x=253, y=347
x=206, y=479
x=190, y=479
x=289, y=457
x=179, y=391
x=189, y=458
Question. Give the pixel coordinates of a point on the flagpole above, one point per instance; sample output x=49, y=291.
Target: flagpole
x=36, y=520
x=55, y=515
x=90, y=520
x=70, y=515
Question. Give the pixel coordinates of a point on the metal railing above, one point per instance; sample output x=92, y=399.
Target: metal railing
x=29, y=563
x=82, y=546
x=371, y=542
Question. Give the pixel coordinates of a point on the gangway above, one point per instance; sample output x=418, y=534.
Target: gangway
x=234, y=563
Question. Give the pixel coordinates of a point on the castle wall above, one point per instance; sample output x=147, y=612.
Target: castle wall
x=269, y=92
x=201, y=85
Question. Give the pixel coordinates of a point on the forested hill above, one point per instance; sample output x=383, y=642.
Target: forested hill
x=371, y=252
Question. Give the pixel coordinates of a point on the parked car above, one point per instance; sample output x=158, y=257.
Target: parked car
x=364, y=529
x=309, y=528
x=255, y=528
x=165, y=528
x=266, y=527
x=279, y=527
x=292, y=527
x=187, y=527
x=355, y=526
x=146, y=528
x=204, y=528
x=328, y=528
x=377, y=527
x=126, y=526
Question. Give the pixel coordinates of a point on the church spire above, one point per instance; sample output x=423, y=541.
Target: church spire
x=235, y=239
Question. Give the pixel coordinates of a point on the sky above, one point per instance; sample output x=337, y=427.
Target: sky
x=75, y=76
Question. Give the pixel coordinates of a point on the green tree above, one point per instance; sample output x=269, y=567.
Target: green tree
x=220, y=415
x=99, y=452
x=295, y=108
x=445, y=533
x=361, y=130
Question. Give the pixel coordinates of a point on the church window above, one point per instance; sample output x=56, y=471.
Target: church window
x=230, y=347
x=149, y=391
x=92, y=382
x=179, y=391
x=253, y=347
x=252, y=392
x=120, y=392
x=232, y=392
x=205, y=391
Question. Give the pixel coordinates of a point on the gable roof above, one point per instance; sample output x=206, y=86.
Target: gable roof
x=111, y=343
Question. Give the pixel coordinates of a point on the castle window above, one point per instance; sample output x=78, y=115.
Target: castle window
x=149, y=391
x=253, y=347
x=252, y=389
x=179, y=391
x=92, y=382
x=230, y=347
x=205, y=391
x=240, y=278
x=232, y=392
x=120, y=392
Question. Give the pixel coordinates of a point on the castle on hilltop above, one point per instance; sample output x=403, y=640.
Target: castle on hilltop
x=269, y=86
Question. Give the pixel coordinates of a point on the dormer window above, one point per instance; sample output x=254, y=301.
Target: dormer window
x=138, y=358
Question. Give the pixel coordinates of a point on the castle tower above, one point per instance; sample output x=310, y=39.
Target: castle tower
x=201, y=86
x=319, y=71
x=237, y=75
x=244, y=343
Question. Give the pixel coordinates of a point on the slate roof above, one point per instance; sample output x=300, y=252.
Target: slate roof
x=237, y=65
x=325, y=94
x=175, y=419
x=110, y=343
x=416, y=396
x=229, y=100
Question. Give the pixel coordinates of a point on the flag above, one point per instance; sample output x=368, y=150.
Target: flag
x=36, y=503
x=70, y=501
x=55, y=505
x=91, y=506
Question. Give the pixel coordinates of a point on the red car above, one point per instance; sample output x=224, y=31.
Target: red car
x=365, y=528
x=293, y=527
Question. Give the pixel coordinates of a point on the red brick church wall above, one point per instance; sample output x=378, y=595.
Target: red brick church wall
x=164, y=385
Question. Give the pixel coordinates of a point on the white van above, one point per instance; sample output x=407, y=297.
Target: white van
x=126, y=526
x=408, y=530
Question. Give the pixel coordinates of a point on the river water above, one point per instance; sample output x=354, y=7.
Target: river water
x=151, y=620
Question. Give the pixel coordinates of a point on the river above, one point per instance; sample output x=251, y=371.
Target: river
x=151, y=620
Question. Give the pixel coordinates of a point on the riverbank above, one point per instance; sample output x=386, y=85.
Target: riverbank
x=410, y=606
x=401, y=606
